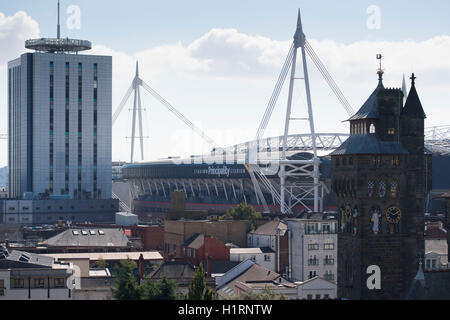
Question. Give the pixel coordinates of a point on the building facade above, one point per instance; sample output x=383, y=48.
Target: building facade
x=273, y=235
x=26, y=276
x=381, y=176
x=176, y=233
x=264, y=257
x=60, y=119
x=313, y=249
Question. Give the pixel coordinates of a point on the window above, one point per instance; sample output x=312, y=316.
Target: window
x=59, y=282
x=18, y=283
x=428, y=264
x=313, y=261
x=39, y=283
x=326, y=228
x=101, y=232
x=309, y=297
x=372, y=129
x=433, y=263
x=329, y=261
x=326, y=296
x=328, y=245
x=92, y=232
x=84, y=232
x=2, y=287
x=75, y=232
x=313, y=246
x=266, y=257
x=318, y=296
x=253, y=258
x=312, y=274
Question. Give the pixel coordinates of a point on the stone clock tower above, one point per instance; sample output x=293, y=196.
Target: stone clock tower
x=381, y=176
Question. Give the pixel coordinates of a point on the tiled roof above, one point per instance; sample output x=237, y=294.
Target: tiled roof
x=369, y=110
x=252, y=274
x=413, y=106
x=368, y=144
x=270, y=228
x=107, y=237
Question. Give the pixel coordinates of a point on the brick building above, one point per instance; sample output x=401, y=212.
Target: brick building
x=381, y=176
x=200, y=248
x=176, y=233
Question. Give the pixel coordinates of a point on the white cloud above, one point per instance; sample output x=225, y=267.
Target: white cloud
x=14, y=30
x=228, y=73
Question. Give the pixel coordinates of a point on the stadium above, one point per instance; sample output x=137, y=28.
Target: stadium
x=215, y=183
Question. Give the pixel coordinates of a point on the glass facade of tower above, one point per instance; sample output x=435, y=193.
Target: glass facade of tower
x=60, y=113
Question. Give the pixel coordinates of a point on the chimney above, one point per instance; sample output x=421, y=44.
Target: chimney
x=141, y=268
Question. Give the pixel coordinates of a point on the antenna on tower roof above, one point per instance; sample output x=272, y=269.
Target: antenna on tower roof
x=380, y=70
x=59, y=26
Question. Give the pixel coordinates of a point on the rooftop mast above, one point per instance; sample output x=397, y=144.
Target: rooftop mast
x=59, y=26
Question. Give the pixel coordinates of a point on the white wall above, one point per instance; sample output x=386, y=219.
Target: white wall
x=258, y=258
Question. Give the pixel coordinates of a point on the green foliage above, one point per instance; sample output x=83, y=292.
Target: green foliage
x=243, y=212
x=198, y=289
x=164, y=289
x=101, y=264
x=126, y=286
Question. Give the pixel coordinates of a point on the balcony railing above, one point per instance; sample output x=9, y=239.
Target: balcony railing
x=328, y=262
x=313, y=262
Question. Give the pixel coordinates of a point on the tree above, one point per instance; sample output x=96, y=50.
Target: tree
x=198, y=289
x=244, y=212
x=101, y=263
x=164, y=289
x=126, y=286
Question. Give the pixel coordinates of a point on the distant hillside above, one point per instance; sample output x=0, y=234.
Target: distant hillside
x=3, y=177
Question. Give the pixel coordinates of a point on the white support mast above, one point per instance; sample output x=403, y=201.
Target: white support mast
x=286, y=169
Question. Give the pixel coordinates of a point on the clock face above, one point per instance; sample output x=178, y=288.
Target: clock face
x=393, y=215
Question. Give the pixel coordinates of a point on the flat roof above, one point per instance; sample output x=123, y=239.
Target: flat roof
x=245, y=250
x=95, y=256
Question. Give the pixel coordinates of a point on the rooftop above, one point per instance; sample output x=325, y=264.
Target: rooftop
x=270, y=229
x=107, y=256
x=108, y=237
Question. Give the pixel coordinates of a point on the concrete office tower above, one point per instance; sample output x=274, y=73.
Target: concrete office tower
x=60, y=119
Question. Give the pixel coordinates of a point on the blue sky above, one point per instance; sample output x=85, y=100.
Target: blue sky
x=137, y=24
x=218, y=61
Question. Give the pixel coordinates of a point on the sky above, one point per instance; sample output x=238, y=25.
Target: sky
x=217, y=62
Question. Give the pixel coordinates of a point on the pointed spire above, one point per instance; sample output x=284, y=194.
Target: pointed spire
x=413, y=106
x=137, y=68
x=299, y=37
x=404, y=89
x=420, y=275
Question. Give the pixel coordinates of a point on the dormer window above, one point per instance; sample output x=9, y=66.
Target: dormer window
x=372, y=129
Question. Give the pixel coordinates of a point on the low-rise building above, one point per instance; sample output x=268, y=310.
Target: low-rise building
x=51, y=211
x=181, y=272
x=200, y=248
x=265, y=256
x=316, y=289
x=28, y=276
x=176, y=233
x=273, y=235
x=436, y=246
